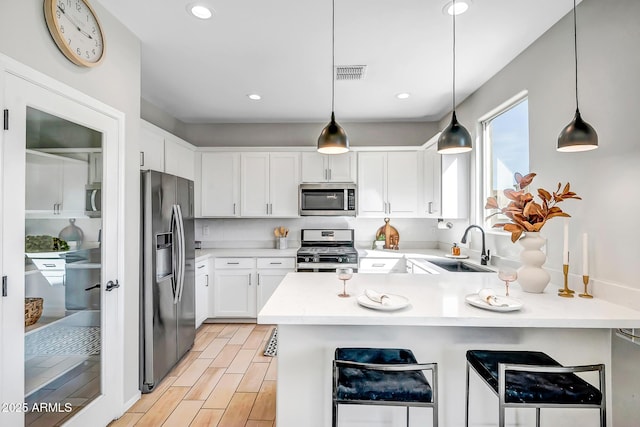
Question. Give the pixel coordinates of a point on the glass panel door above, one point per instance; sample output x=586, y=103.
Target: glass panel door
x=64, y=215
x=62, y=343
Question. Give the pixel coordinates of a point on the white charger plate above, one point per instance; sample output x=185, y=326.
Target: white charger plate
x=512, y=303
x=395, y=302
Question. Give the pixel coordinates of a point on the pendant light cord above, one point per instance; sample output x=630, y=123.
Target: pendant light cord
x=453, y=96
x=333, y=53
x=575, y=49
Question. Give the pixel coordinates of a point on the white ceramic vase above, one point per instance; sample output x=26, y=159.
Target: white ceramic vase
x=531, y=276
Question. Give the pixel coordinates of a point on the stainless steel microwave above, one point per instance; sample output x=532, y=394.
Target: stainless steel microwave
x=93, y=200
x=328, y=199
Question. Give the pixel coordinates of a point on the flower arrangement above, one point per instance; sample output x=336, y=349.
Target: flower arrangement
x=525, y=213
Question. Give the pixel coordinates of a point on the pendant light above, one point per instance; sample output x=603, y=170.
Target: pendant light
x=577, y=135
x=333, y=139
x=454, y=138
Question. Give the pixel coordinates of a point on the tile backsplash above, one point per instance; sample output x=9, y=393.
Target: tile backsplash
x=258, y=232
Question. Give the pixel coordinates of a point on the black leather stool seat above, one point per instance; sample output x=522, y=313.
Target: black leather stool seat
x=536, y=387
x=393, y=386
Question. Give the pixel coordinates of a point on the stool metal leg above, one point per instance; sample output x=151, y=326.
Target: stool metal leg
x=466, y=403
x=407, y=416
x=537, y=417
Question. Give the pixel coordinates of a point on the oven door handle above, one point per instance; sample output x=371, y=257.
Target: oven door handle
x=325, y=265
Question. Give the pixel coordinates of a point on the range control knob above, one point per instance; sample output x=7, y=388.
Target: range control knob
x=340, y=259
x=306, y=259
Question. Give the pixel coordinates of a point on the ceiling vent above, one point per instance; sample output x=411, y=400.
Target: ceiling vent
x=350, y=72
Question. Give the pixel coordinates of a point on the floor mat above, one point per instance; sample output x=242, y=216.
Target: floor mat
x=271, y=349
x=64, y=340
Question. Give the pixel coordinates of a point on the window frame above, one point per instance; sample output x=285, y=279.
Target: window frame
x=485, y=175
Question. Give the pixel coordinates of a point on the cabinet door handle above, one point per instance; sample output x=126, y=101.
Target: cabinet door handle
x=249, y=277
x=234, y=208
x=267, y=208
x=329, y=174
x=142, y=158
x=378, y=265
x=275, y=263
x=201, y=266
x=232, y=263
x=430, y=207
x=270, y=209
x=389, y=207
x=207, y=283
x=258, y=279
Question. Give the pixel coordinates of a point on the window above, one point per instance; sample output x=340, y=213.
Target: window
x=505, y=136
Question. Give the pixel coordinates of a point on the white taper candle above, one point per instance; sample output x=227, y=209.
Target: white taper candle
x=565, y=249
x=585, y=254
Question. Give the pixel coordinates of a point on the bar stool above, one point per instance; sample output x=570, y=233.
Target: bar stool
x=383, y=376
x=532, y=379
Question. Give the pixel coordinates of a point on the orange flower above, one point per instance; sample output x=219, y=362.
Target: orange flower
x=524, y=212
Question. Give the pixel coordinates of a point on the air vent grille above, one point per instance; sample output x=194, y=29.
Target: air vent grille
x=350, y=72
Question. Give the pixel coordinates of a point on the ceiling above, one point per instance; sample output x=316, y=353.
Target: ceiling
x=202, y=71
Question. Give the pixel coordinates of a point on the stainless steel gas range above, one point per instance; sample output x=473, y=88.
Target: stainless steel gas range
x=326, y=250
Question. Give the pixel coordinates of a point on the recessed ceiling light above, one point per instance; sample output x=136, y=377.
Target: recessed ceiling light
x=200, y=11
x=254, y=97
x=403, y=95
x=460, y=7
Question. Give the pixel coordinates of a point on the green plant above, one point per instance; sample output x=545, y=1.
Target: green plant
x=525, y=213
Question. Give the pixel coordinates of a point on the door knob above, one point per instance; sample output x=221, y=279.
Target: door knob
x=111, y=286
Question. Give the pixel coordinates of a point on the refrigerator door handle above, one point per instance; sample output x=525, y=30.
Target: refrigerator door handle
x=182, y=251
x=175, y=231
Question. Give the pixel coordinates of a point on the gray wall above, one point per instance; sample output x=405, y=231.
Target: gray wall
x=306, y=134
x=609, y=66
x=116, y=82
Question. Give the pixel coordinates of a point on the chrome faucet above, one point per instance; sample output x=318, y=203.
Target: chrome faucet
x=484, y=256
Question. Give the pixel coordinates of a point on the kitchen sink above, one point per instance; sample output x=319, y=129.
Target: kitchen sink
x=459, y=266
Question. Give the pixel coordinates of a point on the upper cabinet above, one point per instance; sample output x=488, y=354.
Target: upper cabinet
x=164, y=152
x=388, y=184
x=220, y=184
x=455, y=186
x=269, y=184
x=431, y=184
x=56, y=185
x=318, y=167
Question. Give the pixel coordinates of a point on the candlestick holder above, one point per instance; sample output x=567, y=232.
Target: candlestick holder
x=585, y=280
x=566, y=292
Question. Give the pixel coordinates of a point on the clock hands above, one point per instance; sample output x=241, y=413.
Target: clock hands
x=74, y=23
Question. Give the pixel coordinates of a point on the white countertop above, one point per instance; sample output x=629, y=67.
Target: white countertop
x=202, y=254
x=435, y=300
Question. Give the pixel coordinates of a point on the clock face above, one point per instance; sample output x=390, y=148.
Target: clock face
x=75, y=29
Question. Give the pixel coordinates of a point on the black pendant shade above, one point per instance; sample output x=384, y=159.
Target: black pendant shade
x=577, y=135
x=333, y=139
x=454, y=138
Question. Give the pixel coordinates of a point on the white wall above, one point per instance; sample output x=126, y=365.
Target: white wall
x=116, y=82
x=609, y=66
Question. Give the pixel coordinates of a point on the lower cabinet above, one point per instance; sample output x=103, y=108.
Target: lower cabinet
x=382, y=265
x=241, y=286
x=202, y=291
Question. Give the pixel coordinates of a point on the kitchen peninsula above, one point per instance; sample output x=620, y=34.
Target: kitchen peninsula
x=438, y=326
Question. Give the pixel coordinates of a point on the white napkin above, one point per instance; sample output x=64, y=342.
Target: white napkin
x=489, y=296
x=377, y=296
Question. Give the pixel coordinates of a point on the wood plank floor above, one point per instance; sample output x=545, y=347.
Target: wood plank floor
x=224, y=381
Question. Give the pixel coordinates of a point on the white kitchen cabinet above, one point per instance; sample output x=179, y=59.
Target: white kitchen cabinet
x=431, y=184
x=269, y=184
x=382, y=265
x=56, y=185
x=202, y=291
x=455, y=186
x=234, y=290
x=388, y=184
x=270, y=272
x=318, y=167
x=164, y=152
x=151, y=148
x=220, y=184
x=179, y=158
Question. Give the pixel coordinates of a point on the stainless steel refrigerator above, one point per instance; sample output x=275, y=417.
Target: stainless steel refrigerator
x=167, y=275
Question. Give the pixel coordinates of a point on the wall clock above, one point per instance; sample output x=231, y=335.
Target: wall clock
x=75, y=28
